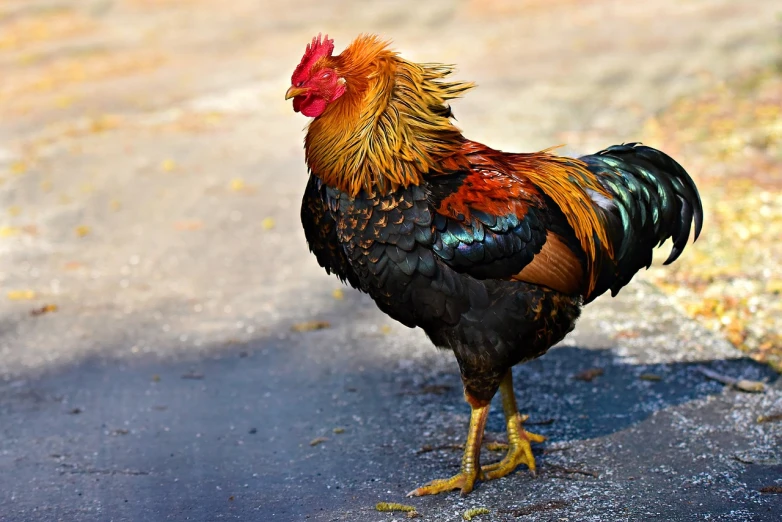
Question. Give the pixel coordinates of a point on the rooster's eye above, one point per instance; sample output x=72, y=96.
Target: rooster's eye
x=326, y=76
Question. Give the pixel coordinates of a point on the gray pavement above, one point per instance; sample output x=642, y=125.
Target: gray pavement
x=155, y=198
x=228, y=436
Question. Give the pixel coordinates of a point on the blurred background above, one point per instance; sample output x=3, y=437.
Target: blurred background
x=151, y=174
x=150, y=171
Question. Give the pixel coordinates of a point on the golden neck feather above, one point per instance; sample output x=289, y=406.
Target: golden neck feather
x=392, y=125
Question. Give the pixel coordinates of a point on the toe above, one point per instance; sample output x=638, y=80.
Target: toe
x=534, y=437
x=461, y=482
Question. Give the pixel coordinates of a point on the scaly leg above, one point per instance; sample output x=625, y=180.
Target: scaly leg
x=519, y=449
x=465, y=479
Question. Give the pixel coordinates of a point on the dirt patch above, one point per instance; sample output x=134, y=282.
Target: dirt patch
x=731, y=137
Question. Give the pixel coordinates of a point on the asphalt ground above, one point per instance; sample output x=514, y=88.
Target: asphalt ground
x=155, y=277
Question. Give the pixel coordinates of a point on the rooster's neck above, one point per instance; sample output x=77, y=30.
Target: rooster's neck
x=390, y=129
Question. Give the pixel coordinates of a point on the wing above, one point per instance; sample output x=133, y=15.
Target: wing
x=320, y=231
x=493, y=225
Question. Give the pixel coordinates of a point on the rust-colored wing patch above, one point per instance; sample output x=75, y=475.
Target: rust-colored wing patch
x=568, y=181
x=490, y=192
x=555, y=266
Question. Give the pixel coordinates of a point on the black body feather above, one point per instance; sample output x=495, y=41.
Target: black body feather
x=451, y=274
x=654, y=199
x=415, y=264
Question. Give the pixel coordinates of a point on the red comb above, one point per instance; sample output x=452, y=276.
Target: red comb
x=315, y=51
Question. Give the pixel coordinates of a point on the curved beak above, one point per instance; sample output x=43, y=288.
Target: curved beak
x=295, y=91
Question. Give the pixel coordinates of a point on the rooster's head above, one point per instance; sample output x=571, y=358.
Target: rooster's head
x=315, y=83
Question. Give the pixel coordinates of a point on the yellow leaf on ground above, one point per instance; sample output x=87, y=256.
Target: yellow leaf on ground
x=774, y=286
x=21, y=295
x=474, y=512
x=82, y=230
x=103, y=123
x=307, y=326
x=268, y=223
x=167, y=165
x=64, y=102
x=18, y=168
x=9, y=231
x=393, y=506
x=45, y=309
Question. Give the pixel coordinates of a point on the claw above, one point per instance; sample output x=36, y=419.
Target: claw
x=519, y=440
x=465, y=479
x=519, y=452
x=519, y=447
x=462, y=481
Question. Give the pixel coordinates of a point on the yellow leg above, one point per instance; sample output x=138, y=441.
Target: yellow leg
x=465, y=479
x=519, y=449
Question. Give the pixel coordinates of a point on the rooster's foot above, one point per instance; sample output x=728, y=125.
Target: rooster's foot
x=462, y=481
x=465, y=479
x=519, y=450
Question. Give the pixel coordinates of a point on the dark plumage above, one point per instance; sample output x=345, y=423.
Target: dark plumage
x=491, y=254
x=653, y=199
x=452, y=275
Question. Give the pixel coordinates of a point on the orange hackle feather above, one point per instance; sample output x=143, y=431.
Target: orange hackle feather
x=567, y=181
x=490, y=192
x=383, y=133
x=393, y=127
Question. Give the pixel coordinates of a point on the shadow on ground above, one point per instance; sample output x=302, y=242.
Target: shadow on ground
x=230, y=436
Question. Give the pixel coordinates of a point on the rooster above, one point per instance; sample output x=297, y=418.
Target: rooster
x=492, y=254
